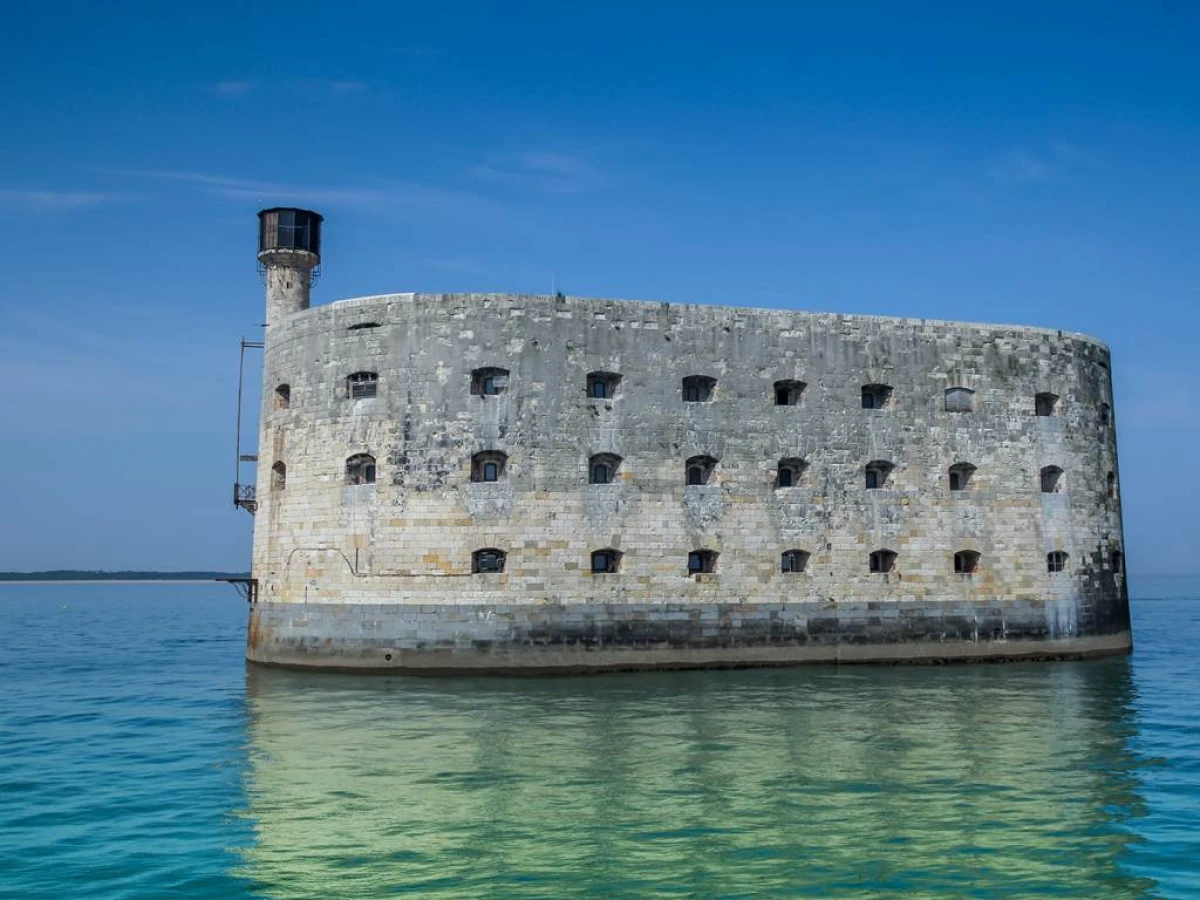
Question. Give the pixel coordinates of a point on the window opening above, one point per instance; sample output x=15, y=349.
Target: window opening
x=1112, y=485
x=702, y=562
x=602, y=468
x=1117, y=560
x=1056, y=561
x=700, y=469
x=966, y=562
x=1046, y=404
x=362, y=385
x=876, y=396
x=283, y=396
x=790, y=472
x=698, y=388
x=878, y=473
x=605, y=562
x=603, y=385
x=1053, y=481
x=882, y=561
x=789, y=392
x=489, y=382
x=360, y=469
x=793, y=561
x=487, y=560
x=1105, y=413
x=488, y=466
x=278, y=476
x=960, y=399
x=960, y=476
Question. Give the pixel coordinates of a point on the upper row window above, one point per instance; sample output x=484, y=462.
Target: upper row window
x=489, y=382
x=698, y=388
x=960, y=399
x=361, y=385
x=876, y=396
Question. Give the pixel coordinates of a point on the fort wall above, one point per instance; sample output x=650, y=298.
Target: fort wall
x=380, y=575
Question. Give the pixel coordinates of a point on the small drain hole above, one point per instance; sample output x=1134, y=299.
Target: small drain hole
x=388, y=657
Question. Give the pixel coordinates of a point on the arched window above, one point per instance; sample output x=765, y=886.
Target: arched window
x=881, y=561
x=960, y=399
x=702, y=562
x=1112, y=485
x=1056, y=561
x=606, y=561
x=1046, y=404
x=490, y=465
x=1053, y=481
x=1116, y=559
x=876, y=396
x=966, y=562
x=489, y=382
x=790, y=472
x=487, y=560
x=602, y=468
x=699, y=469
x=698, y=388
x=278, y=476
x=879, y=473
x=362, y=385
x=360, y=469
x=961, y=475
x=283, y=396
x=793, y=561
x=788, y=393
x=603, y=385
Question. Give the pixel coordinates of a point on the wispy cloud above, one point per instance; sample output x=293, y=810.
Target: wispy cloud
x=552, y=172
x=381, y=196
x=234, y=88
x=52, y=201
x=1019, y=167
x=312, y=87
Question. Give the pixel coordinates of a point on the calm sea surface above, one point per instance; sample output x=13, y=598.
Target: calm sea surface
x=140, y=758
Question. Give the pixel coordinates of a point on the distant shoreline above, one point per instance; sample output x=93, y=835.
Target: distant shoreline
x=4, y=581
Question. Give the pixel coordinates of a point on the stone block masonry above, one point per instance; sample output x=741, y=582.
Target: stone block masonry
x=911, y=463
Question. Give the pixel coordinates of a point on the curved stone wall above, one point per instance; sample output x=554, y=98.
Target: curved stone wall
x=380, y=575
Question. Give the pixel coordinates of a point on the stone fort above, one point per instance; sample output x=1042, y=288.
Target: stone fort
x=506, y=482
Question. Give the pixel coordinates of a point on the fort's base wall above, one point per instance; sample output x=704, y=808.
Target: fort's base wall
x=549, y=638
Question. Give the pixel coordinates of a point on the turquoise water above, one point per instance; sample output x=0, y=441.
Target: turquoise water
x=140, y=758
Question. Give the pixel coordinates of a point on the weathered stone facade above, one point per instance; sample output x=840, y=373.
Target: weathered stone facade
x=379, y=575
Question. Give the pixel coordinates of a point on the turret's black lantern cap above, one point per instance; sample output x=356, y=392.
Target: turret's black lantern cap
x=288, y=228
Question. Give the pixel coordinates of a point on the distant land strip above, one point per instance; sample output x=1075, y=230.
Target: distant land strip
x=96, y=575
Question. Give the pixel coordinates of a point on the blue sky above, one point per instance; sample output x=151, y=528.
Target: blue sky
x=1012, y=163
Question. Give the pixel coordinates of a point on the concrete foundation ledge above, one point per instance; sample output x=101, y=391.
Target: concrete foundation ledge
x=545, y=639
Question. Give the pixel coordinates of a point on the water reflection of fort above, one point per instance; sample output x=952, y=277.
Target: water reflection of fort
x=839, y=781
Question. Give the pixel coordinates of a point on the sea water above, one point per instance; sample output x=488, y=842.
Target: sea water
x=141, y=758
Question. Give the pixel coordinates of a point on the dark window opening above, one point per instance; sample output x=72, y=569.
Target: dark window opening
x=487, y=560
x=283, y=396
x=789, y=393
x=966, y=562
x=1112, y=485
x=362, y=326
x=360, y=469
x=488, y=466
x=606, y=562
x=602, y=468
x=700, y=469
x=793, y=561
x=882, y=561
x=698, y=388
x=790, y=472
x=878, y=474
x=1053, y=481
x=1116, y=559
x=702, y=562
x=1056, y=561
x=362, y=385
x=960, y=476
x=1046, y=404
x=960, y=399
x=278, y=476
x=489, y=382
x=603, y=385
x=876, y=396
x=1105, y=413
